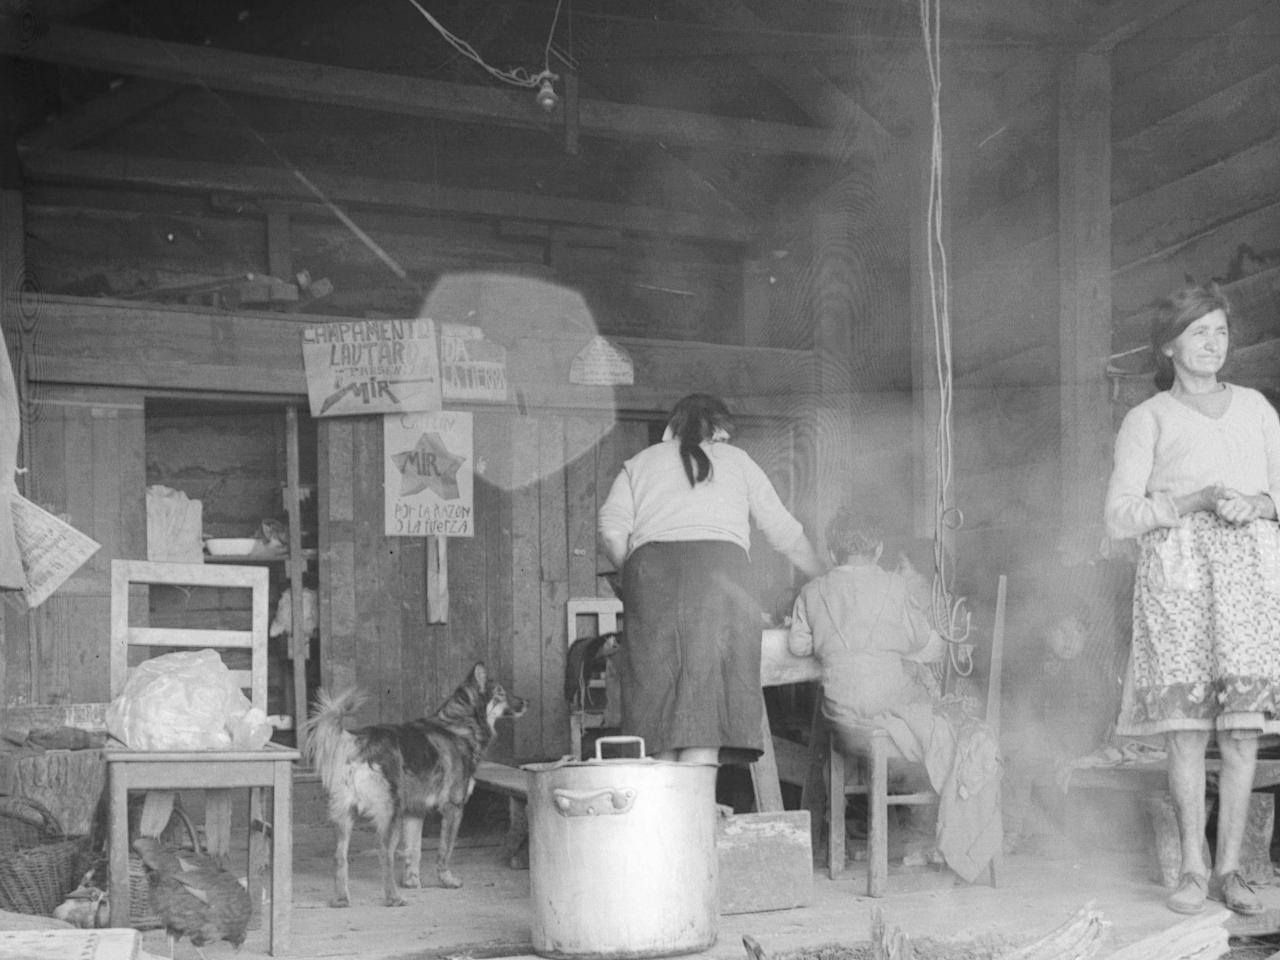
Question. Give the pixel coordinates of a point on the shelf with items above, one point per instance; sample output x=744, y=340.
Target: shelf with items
x=306, y=556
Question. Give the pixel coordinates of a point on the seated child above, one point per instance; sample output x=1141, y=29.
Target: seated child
x=875, y=643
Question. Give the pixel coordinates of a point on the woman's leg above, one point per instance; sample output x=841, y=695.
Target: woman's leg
x=1239, y=758
x=1187, y=784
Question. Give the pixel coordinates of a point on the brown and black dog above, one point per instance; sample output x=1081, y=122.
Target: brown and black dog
x=396, y=773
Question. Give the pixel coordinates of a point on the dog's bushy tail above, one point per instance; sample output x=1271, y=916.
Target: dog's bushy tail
x=326, y=742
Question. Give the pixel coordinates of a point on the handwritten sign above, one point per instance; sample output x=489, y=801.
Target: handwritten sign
x=602, y=364
x=52, y=550
x=429, y=474
x=471, y=367
x=371, y=366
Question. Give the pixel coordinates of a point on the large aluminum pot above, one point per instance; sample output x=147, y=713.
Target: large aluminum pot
x=622, y=857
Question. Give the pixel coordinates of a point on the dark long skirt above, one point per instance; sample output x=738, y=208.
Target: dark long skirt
x=690, y=664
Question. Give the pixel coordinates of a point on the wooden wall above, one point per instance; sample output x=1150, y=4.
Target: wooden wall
x=543, y=467
x=1001, y=219
x=162, y=247
x=1054, y=275
x=544, y=478
x=87, y=466
x=1196, y=176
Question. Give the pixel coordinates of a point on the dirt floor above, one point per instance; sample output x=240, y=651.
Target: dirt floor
x=490, y=916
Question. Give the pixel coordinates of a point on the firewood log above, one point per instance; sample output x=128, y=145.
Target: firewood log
x=1079, y=938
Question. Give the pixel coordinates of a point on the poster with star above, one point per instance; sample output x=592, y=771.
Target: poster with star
x=429, y=474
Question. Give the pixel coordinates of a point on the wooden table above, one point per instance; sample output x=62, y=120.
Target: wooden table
x=778, y=666
x=216, y=772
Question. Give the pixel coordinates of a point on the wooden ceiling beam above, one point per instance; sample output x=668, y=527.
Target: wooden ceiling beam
x=88, y=166
x=831, y=106
x=408, y=96
x=102, y=115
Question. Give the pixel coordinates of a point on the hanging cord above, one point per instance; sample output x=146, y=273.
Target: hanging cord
x=518, y=76
x=951, y=619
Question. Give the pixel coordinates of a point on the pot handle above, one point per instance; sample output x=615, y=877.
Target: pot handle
x=593, y=803
x=600, y=741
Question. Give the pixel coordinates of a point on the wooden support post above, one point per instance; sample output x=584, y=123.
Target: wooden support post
x=764, y=772
x=1084, y=254
x=437, y=579
x=300, y=636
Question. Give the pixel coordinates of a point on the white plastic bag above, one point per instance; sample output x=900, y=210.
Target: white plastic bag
x=186, y=701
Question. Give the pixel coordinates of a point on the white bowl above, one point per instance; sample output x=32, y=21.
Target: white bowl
x=230, y=546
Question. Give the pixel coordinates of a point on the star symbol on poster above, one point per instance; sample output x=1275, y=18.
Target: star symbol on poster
x=429, y=465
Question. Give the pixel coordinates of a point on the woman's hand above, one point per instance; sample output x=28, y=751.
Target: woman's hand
x=1236, y=507
x=1206, y=498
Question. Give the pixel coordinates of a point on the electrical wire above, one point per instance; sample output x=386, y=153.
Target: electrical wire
x=951, y=619
x=517, y=76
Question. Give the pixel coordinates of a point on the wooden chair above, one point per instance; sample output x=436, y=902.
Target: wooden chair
x=873, y=751
x=216, y=772
x=607, y=611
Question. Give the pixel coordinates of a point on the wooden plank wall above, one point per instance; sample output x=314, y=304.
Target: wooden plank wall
x=102, y=242
x=1000, y=219
x=534, y=547
x=1196, y=172
x=88, y=467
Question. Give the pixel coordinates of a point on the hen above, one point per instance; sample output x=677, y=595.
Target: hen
x=585, y=656
x=193, y=895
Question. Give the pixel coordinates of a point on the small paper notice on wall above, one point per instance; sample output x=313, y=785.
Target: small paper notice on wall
x=602, y=364
x=471, y=367
x=52, y=550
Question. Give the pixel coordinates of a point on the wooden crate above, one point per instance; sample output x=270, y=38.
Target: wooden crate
x=765, y=861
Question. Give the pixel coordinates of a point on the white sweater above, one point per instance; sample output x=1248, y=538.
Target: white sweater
x=1165, y=449
x=651, y=500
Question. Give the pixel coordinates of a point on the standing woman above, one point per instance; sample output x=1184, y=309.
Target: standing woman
x=677, y=523
x=1197, y=481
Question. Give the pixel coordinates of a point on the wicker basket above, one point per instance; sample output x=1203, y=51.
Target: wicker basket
x=39, y=864
x=142, y=915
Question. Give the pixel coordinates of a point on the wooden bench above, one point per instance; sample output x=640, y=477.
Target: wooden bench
x=512, y=783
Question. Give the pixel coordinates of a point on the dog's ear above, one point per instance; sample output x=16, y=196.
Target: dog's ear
x=480, y=675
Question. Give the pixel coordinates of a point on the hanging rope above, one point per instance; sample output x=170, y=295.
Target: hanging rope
x=950, y=617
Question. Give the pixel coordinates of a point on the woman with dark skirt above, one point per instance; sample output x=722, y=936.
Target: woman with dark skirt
x=677, y=523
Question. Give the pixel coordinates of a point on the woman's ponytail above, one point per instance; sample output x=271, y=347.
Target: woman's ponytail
x=696, y=418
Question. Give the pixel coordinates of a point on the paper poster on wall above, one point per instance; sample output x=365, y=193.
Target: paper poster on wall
x=52, y=550
x=429, y=474
x=471, y=367
x=602, y=364
x=371, y=366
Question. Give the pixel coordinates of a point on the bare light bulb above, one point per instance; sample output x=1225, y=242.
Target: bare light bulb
x=546, y=97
